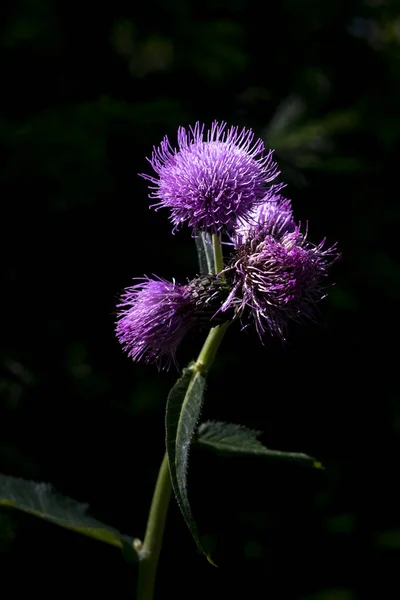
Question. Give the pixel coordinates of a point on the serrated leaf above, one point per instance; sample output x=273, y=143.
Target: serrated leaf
x=40, y=500
x=183, y=410
x=228, y=438
x=205, y=252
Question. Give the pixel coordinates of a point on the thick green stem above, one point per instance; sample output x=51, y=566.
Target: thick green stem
x=149, y=552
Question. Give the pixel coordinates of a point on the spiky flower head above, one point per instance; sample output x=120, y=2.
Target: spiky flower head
x=276, y=274
x=273, y=217
x=214, y=179
x=155, y=315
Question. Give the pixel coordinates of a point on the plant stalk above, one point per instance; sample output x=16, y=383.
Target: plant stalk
x=149, y=552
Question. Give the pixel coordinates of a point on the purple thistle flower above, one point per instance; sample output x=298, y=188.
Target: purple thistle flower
x=276, y=275
x=213, y=180
x=157, y=314
x=273, y=217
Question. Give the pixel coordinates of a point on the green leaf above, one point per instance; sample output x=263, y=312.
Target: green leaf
x=40, y=500
x=227, y=438
x=205, y=252
x=183, y=409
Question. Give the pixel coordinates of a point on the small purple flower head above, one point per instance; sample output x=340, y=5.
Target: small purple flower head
x=213, y=180
x=273, y=217
x=277, y=277
x=156, y=315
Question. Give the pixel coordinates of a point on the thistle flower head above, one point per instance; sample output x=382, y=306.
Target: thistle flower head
x=214, y=179
x=273, y=217
x=156, y=315
x=277, y=278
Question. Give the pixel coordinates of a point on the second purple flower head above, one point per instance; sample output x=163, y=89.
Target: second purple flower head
x=276, y=275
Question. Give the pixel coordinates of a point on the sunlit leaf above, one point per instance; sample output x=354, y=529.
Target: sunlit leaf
x=228, y=438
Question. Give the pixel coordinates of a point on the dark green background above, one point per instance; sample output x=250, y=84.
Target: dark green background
x=86, y=90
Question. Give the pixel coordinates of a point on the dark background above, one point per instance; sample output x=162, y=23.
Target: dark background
x=87, y=90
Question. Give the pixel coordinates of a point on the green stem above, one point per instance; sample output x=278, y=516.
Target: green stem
x=217, y=249
x=149, y=552
x=210, y=347
x=215, y=336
